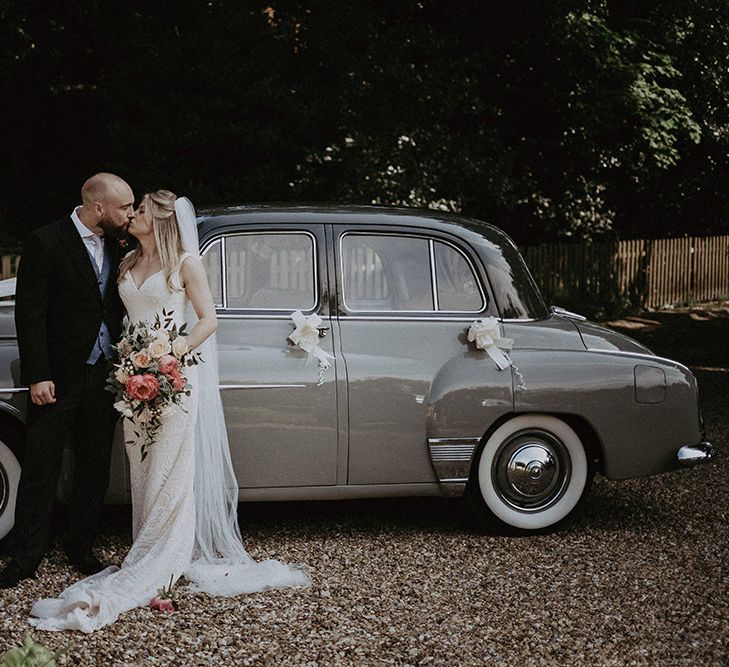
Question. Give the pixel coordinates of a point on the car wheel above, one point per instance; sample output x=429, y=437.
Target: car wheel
x=531, y=473
x=9, y=478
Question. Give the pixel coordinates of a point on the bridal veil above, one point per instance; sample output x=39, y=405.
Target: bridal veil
x=220, y=564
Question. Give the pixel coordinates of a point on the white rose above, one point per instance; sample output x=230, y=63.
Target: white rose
x=124, y=347
x=123, y=407
x=179, y=346
x=121, y=376
x=141, y=359
x=158, y=347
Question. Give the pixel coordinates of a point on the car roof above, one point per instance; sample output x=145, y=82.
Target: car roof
x=333, y=214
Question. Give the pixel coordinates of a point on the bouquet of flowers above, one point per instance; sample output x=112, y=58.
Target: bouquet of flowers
x=149, y=375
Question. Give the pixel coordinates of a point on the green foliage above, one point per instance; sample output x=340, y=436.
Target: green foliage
x=31, y=655
x=568, y=118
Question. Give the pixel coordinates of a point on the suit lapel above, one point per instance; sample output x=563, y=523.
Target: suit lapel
x=112, y=256
x=79, y=255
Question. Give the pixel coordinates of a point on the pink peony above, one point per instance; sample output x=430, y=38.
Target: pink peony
x=178, y=382
x=143, y=387
x=168, y=364
x=162, y=604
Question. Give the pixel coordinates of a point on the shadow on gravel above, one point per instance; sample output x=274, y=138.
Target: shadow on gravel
x=697, y=337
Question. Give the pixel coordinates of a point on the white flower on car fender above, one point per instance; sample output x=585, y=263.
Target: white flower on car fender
x=486, y=333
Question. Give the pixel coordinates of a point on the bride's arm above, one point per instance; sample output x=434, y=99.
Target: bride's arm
x=197, y=289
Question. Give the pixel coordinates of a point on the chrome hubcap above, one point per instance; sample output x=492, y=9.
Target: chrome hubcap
x=531, y=470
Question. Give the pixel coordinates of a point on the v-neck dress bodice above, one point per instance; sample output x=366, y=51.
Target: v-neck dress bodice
x=153, y=295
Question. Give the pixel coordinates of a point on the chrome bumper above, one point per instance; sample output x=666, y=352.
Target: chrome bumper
x=690, y=455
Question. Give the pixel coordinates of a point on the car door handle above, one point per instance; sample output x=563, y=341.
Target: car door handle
x=323, y=331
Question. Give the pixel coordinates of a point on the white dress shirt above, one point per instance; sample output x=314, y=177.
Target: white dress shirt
x=94, y=242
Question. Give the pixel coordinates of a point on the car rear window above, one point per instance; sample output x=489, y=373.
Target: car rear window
x=403, y=273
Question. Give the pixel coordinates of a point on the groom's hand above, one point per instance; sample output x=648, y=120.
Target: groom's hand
x=42, y=393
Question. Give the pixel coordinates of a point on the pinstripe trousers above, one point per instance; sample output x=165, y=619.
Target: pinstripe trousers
x=84, y=411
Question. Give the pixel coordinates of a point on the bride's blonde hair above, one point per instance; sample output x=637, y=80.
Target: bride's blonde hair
x=161, y=204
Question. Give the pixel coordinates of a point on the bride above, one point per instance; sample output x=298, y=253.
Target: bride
x=184, y=493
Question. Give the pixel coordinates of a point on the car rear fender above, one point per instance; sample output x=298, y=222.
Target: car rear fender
x=641, y=408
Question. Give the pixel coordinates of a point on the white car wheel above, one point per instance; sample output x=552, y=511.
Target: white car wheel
x=9, y=478
x=532, y=472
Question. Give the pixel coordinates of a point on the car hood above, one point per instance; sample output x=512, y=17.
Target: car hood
x=596, y=337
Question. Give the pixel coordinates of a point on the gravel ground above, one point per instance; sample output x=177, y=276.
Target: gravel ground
x=637, y=578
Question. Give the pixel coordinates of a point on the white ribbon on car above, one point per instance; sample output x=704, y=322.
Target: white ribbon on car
x=486, y=333
x=306, y=336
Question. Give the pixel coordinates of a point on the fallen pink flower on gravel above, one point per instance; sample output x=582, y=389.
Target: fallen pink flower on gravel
x=161, y=604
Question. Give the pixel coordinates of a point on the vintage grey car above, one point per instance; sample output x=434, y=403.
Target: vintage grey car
x=408, y=405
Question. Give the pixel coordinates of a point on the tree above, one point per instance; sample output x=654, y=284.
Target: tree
x=560, y=119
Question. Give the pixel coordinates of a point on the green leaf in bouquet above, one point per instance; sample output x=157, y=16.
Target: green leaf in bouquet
x=32, y=655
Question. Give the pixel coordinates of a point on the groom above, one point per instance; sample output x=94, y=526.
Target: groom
x=67, y=315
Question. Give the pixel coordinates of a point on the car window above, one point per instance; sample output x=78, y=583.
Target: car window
x=458, y=287
x=270, y=271
x=386, y=273
x=213, y=269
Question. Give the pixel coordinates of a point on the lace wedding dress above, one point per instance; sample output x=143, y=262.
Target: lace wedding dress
x=163, y=512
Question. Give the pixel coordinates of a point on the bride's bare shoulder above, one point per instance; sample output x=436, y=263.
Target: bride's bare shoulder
x=191, y=269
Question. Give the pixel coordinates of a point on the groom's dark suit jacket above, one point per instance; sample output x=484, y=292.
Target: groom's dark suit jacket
x=59, y=306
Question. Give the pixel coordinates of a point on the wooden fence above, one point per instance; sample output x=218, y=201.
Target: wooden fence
x=640, y=273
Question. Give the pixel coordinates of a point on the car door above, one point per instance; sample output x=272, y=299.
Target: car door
x=405, y=300
x=280, y=410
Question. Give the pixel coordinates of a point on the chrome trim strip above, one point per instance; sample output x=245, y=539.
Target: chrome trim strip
x=261, y=386
x=690, y=455
x=517, y=320
x=224, y=270
x=406, y=318
x=433, y=277
x=205, y=249
x=341, y=492
x=258, y=316
x=558, y=310
x=451, y=459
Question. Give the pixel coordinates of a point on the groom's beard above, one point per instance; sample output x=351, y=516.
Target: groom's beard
x=111, y=230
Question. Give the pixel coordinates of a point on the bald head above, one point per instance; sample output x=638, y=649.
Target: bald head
x=100, y=187
x=108, y=204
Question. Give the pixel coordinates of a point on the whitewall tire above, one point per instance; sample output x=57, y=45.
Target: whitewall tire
x=9, y=478
x=531, y=472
